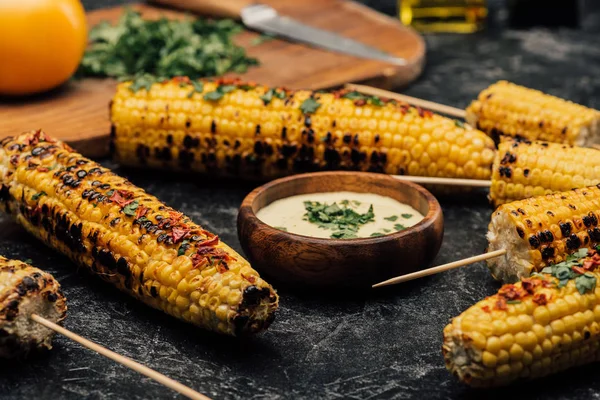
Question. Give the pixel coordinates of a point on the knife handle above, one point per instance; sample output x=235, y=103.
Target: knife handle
x=214, y=8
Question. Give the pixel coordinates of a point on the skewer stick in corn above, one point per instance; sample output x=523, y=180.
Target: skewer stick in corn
x=440, y=268
x=129, y=238
x=526, y=236
x=128, y=362
x=538, y=326
x=523, y=169
x=429, y=105
x=31, y=307
x=512, y=110
x=227, y=128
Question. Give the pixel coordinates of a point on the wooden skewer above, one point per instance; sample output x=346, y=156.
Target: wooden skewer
x=440, y=268
x=150, y=373
x=430, y=105
x=445, y=181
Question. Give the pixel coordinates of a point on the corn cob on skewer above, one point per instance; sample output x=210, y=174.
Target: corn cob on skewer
x=129, y=238
x=525, y=169
x=25, y=290
x=508, y=109
x=540, y=231
x=538, y=326
x=228, y=128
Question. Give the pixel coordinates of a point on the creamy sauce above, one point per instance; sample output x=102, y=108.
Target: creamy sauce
x=390, y=215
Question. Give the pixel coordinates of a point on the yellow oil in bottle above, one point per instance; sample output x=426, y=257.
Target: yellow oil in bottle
x=461, y=16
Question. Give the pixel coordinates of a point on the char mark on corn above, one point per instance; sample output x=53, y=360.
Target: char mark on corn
x=525, y=169
x=543, y=230
x=129, y=238
x=25, y=290
x=228, y=128
x=538, y=326
x=508, y=109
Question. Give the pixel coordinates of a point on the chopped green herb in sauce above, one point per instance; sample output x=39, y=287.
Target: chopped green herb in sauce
x=391, y=218
x=406, y=216
x=343, y=220
x=399, y=227
x=281, y=228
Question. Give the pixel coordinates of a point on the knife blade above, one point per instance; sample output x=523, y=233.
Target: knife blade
x=266, y=19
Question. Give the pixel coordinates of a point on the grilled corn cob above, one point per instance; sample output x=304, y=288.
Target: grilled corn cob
x=129, y=238
x=508, y=109
x=228, y=128
x=540, y=231
x=538, y=326
x=525, y=169
x=25, y=290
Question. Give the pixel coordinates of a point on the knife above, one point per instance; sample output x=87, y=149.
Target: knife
x=264, y=18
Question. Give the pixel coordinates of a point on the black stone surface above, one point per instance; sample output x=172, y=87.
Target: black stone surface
x=385, y=345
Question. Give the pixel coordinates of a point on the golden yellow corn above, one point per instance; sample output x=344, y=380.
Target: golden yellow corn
x=129, y=238
x=25, y=290
x=227, y=128
x=508, y=109
x=538, y=326
x=525, y=169
x=540, y=231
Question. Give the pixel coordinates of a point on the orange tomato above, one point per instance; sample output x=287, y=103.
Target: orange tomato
x=41, y=44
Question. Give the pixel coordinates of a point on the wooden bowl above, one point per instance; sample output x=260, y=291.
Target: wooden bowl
x=299, y=260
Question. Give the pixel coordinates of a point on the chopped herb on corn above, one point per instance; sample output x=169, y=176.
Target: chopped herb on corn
x=541, y=231
x=228, y=128
x=129, y=238
x=538, y=326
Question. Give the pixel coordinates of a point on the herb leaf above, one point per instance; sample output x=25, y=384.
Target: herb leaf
x=183, y=248
x=37, y=196
x=399, y=227
x=309, y=106
x=281, y=228
x=354, y=96
x=585, y=282
x=407, y=216
x=391, y=218
x=345, y=222
x=189, y=47
x=130, y=208
x=460, y=124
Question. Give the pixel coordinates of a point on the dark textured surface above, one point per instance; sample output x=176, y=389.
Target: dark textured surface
x=383, y=346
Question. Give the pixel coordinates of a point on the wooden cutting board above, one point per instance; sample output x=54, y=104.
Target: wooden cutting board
x=78, y=111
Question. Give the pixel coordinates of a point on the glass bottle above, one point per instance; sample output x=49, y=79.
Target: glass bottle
x=461, y=16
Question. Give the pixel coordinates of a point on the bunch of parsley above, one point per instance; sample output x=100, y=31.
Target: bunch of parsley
x=164, y=48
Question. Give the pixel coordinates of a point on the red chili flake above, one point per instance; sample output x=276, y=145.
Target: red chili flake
x=578, y=269
x=181, y=79
x=222, y=267
x=501, y=304
x=529, y=284
x=486, y=309
x=198, y=261
x=360, y=102
x=511, y=292
x=596, y=257
x=14, y=159
x=43, y=169
x=179, y=233
x=548, y=284
x=141, y=211
x=34, y=139
x=540, y=298
x=209, y=242
x=250, y=278
x=121, y=197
